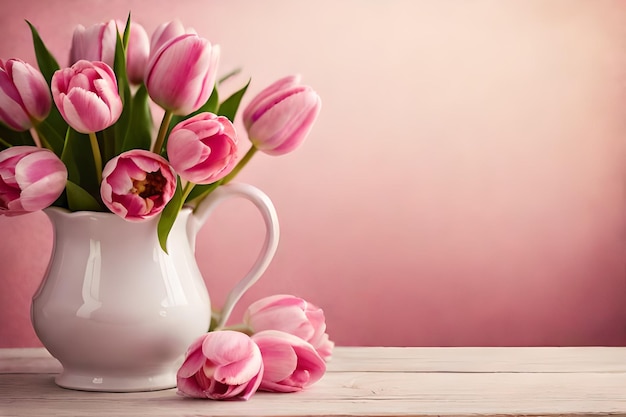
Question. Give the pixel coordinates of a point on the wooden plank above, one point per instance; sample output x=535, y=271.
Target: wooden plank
x=410, y=359
x=346, y=394
x=28, y=360
x=467, y=359
x=372, y=382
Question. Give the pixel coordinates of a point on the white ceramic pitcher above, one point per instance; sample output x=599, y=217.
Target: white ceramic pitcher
x=117, y=311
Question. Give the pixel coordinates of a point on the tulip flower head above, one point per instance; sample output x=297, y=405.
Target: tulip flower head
x=94, y=43
x=181, y=74
x=280, y=117
x=97, y=43
x=292, y=315
x=221, y=365
x=137, y=184
x=31, y=179
x=86, y=95
x=203, y=148
x=24, y=95
x=290, y=364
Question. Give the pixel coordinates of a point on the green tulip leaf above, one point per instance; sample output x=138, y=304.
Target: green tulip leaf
x=229, y=107
x=62, y=200
x=4, y=144
x=168, y=215
x=212, y=103
x=81, y=168
x=126, y=36
x=228, y=75
x=79, y=199
x=46, y=62
x=139, y=133
x=50, y=128
x=120, y=128
x=11, y=137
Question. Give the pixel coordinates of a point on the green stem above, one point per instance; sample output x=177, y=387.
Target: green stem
x=35, y=137
x=5, y=143
x=40, y=140
x=165, y=123
x=196, y=200
x=186, y=190
x=97, y=158
x=108, y=144
x=246, y=158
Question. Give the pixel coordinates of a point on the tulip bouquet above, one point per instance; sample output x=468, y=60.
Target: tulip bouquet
x=83, y=138
x=94, y=149
x=281, y=346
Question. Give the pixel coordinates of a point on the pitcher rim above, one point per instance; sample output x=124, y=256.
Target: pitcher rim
x=90, y=213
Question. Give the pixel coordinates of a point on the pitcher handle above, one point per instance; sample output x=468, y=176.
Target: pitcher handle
x=268, y=212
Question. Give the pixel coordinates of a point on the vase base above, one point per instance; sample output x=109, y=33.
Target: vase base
x=115, y=383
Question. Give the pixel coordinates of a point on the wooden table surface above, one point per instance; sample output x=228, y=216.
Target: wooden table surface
x=363, y=382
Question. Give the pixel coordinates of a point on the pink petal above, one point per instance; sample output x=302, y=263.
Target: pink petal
x=44, y=192
x=164, y=33
x=11, y=111
x=192, y=364
x=36, y=166
x=283, y=127
x=254, y=384
x=176, y=74
x=281, y=84
x=84, y=111
x=189, y=387
x=33, y=90
x=279, y=358
x=185, y=150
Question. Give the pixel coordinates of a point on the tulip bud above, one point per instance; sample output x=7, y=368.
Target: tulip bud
x=137, y=184
x=24, y=95
x=221, y=365
x=31, y=179
x=95, y=43
x=280, y=117
x=290, y=364
x=181, y=74
x=292, y=315
x=98, y=42
x=203, y=148
x=86, y=95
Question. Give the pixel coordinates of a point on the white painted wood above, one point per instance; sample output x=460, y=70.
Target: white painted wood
x=468, y=359
x=364, y=382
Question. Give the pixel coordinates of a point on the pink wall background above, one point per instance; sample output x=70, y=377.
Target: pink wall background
x=464, y=184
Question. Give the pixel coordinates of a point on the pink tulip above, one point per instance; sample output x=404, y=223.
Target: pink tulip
x=292, y=315
x=31, y=179
x=97, y=43
x=24, y=95
x=181, y=74
x=137, y=184
x=280, y=117
x=221, y=365
x=203, y=148
x=290, y=364
x=86, y=95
